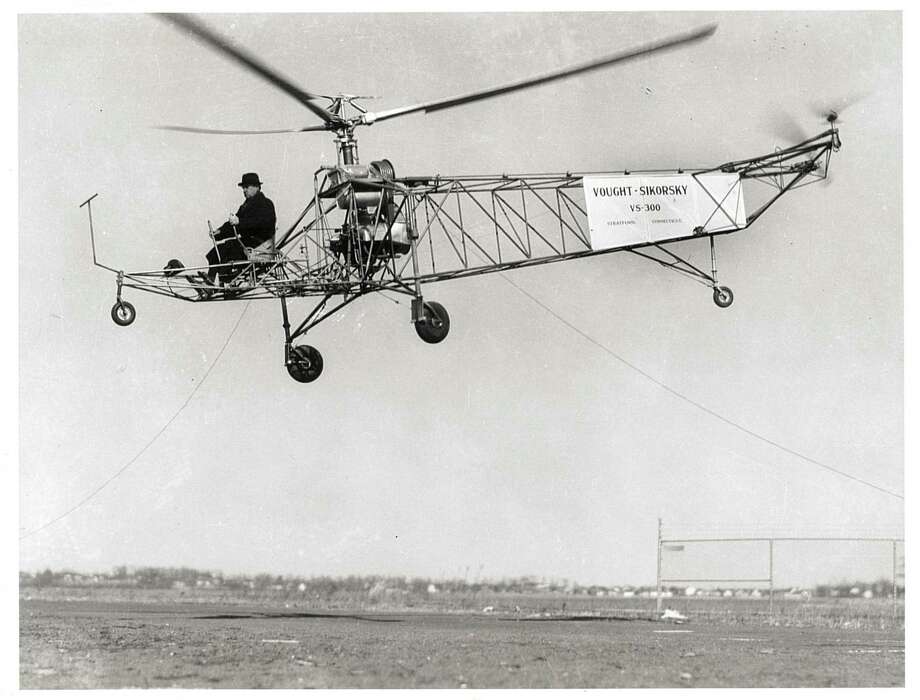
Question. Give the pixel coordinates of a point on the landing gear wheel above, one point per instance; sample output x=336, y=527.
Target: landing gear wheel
x=172, y=268
x=436, y=324
x=722, y=296
x=305, y=364
x=123, y=313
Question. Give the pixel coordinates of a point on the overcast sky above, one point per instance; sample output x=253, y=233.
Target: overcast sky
x=519, y=445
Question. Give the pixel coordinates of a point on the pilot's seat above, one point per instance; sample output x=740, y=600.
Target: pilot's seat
x=261, y=260
x=264, y=252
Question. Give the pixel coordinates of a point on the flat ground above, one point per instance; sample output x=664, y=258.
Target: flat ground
x=94, y=644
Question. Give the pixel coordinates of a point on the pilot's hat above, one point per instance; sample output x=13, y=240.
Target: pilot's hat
x=250, y=179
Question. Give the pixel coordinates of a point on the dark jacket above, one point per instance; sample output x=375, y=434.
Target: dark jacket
x=257, y=220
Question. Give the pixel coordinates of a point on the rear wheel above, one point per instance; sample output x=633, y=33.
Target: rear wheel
x=436, y=324
x=305, y=363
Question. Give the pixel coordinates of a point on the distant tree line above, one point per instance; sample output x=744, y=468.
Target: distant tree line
x=881, y=588
x=152, y=577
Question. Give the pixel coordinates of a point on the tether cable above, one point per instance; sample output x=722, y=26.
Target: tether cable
x=149, y=442
x=698, y=405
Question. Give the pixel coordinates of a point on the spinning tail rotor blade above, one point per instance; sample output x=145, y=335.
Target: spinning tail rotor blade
x=619, y=57
x=246, y=59
x=831, y=110
x=784, y=126
x=197, y=130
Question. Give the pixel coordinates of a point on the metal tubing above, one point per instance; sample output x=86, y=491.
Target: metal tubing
x=466, y=260
x=658, y=585
x=712, y=253
x=498, y=243
x=311, y=321
x=412, y=220
x=428, y=235
x=285, y=323
x=356, y=275
x=92, y=235
x=528, y=227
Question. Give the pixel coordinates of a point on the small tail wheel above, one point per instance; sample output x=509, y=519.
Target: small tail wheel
x=436, y=324
x=305, y=364
x=172, y=268
x=123, y=313
x=722, y=296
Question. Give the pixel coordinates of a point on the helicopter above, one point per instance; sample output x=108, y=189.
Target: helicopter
x=368, y=230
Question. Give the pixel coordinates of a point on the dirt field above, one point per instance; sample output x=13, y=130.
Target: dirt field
x=93, y=644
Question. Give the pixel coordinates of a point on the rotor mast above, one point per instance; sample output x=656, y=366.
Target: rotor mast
x=346, y=146
x=346, y=143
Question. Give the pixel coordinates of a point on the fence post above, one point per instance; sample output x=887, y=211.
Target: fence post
x=894, y=570
x=658, y=581
x=771, y=576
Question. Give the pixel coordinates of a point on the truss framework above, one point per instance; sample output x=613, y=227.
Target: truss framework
x=452, y=228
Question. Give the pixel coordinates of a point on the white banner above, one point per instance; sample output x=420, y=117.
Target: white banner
x=632, y=209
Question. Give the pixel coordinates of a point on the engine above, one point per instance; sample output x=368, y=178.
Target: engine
x=374, y=225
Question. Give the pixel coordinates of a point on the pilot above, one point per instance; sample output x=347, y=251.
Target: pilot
x=252, y=225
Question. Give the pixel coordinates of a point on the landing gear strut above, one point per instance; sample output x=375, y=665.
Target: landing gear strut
x=123, y=312
x=303, y=362
x=722, y=296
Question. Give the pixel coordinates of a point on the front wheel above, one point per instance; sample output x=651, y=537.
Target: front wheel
x=123, y=313
x=305, y=363
x=435, y=326
x=722, y=296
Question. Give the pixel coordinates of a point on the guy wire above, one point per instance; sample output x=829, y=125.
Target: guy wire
x=149, y=442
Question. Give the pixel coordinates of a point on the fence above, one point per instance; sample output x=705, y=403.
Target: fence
x=768, y=542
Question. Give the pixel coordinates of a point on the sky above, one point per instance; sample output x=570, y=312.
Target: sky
x=523, y=444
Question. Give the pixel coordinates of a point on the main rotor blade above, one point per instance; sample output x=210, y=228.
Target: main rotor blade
x=251, y=62
x=197, y=130
x=619, y=57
